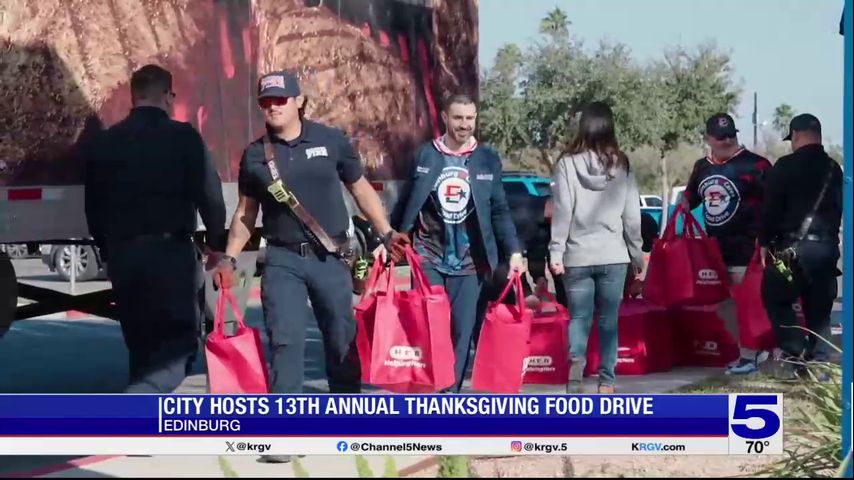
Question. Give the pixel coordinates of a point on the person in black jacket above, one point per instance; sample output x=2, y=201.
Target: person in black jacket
x=800, y=238
x=146, y=177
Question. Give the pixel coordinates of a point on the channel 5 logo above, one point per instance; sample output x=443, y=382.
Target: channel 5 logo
x=755, y=417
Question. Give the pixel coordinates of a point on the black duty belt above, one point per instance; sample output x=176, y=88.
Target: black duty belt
x=154, y=237
x=304, y=248
x=816, y=237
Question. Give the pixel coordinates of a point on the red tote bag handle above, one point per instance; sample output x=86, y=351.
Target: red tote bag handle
x=219, y=318
x=380, y=277
x=514, y=282
x=420, y=282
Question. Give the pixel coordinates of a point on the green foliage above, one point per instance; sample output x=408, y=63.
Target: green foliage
x=783, y=114
x=530, y=99
x=299, y=470
x=363, y=468
x=647, y=165
x=836, y=152
x=815, y=433
x=455, y=466
x=556, y=24
x=390, y=468
x=226, y=469
x=815, y=430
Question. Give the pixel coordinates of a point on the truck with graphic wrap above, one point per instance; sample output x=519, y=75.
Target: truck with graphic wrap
x=377, y=69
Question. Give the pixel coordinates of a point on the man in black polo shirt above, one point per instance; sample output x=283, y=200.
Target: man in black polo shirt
x=145, y=179
x=793, y=190
x=312, y=160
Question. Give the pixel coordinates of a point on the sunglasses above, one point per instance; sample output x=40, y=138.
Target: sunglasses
x=268, y=102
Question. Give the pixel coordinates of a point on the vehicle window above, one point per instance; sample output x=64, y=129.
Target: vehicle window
x=515, y=189
x=653, y=202
x=516, y=193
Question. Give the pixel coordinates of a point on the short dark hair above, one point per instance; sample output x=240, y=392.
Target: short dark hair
x=461, y=98
x=150, y=82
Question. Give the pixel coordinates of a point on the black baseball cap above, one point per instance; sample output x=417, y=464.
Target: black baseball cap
x=278, y=84
x=803, y=123
x=721, y=125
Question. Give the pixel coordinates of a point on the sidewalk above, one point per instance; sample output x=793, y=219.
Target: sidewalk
x=318, y=466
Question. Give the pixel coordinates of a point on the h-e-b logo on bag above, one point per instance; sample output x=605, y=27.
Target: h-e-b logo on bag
x=539, y=363
x=707, y=276
x=405, y=356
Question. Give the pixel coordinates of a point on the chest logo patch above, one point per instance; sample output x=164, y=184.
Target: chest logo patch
x=453, y=189
x=316, y=152
x=721, y=198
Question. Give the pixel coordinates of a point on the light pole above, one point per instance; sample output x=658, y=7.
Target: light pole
x=755, y=118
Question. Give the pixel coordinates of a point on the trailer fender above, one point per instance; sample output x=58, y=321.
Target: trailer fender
x=8, y=293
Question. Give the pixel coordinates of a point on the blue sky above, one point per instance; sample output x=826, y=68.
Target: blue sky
x=789, y=51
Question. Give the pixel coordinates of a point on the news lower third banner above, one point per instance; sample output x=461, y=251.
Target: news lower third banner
x=391, y=424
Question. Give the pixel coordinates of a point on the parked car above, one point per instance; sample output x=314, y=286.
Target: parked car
x=650, y=201
x=19, y=250
x=89, y=264
x=647, y=206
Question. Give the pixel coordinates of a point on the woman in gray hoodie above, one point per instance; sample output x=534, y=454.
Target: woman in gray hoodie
x=595, y=238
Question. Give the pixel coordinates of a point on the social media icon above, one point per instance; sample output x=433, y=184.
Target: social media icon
x=516, y=446
x=342, y=446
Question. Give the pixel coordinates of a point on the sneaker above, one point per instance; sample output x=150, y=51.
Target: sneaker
x=744, y=366
x=607, y=389
x=574, y=388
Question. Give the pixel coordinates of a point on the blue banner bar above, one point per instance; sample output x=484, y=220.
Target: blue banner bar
x=365, y=415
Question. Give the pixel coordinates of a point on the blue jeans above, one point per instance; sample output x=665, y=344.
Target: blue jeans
x=589, y=290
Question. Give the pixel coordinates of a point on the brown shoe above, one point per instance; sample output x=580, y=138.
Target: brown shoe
x=607, y=389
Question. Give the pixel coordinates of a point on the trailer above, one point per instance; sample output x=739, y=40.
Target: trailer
x=376, y=69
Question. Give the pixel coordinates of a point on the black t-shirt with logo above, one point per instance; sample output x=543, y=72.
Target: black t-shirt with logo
x=446, y=224
x=731, y=193
x=313, y=167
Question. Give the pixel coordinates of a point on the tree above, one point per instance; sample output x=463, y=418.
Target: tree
x=836, y=152
x=555, y=24
x=531, y=100
x=502, y=110
x=694, y=86
x=783, y=115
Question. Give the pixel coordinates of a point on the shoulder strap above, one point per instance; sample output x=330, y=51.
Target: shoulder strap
x=807, y=222
x=283, y=194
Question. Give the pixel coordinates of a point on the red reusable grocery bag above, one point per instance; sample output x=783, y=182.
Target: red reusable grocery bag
x=365, y=312
x=235, y=364
x=754, y=328
x=686, y=268
x=700, y=338
x=645, y=340
x=404, y=337
x=499, y=362
x=547, y=361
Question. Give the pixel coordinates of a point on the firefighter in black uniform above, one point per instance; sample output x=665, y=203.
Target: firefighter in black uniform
x=801, y=217
x=146, y=177
x=311, y=160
